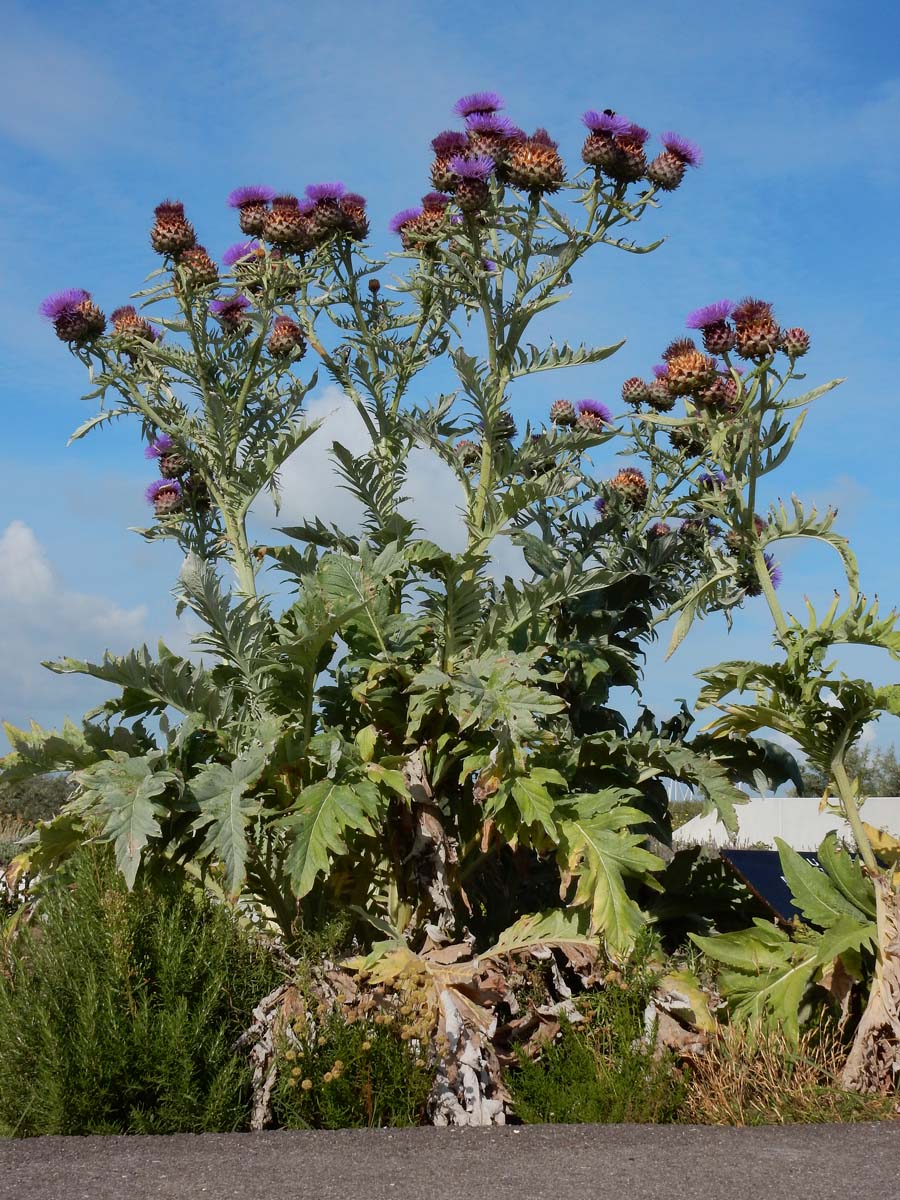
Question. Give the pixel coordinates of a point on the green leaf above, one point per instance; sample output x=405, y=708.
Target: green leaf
x=844, y=871
x=533, y=360
x=316, y=827
x=220, y=792
x=124, y=790
x=559, y=928
x=535, y=804
x=813, y=891
x=597, y=848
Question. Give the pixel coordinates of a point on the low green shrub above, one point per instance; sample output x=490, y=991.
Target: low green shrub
x=599, y=1070
x=350, y=1076
x=119, y=1011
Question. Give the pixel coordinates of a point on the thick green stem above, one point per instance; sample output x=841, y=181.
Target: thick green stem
x=851, y=809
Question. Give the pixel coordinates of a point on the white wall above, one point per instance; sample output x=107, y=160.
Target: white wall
x=795, y=819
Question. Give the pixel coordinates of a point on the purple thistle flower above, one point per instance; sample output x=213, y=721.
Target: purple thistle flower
x=596, y=409
x=601, y=122
x=159, y=446
x=435, y=201
x=489, y=265
x=324, y=191
x=489, y=123
x=354, y=199
x=155, y=333
x=479, y=166
x=232, y=304
x=306, y=205
x=688, y=152
x=774, y=570
x=710, y=314
x=456, y=219
x=62, y=302
x=716, y=480
x=661, y=370
x=238, y=251
x=160, y=485
x=636, y=132
x=402, y=218
x=600, y=505
x=254, y=194
x=542, y=138
x=478, y=102
x=451, y=141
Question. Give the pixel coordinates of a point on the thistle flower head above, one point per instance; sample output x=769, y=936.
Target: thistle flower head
x=678, y=347
x=600, y=505
x=231, y=305
x=240, y=250
x=159, y=446
x=489, y=266
x=324, y=191
x=169, y=487
x=709, y=314
x=685, y=151
x=62, y=302
x=482, y=122
x=478, y=102
x=636, y=133
x=403, y=218
x=479, y=166
x=286, y=200
x=254, y=194
x=169, y=208
x=451, y=141
x=661, y=371
x=435, y=202
x=605, y=122
x=750, y=309
x=353, y=200
x=595, y=409
x=542, y=138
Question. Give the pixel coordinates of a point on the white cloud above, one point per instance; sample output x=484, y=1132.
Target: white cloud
x=42, y=618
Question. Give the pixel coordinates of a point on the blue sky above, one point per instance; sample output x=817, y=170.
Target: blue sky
x=105, y=109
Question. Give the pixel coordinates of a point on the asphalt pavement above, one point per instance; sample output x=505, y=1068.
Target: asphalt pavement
x=565, y=1162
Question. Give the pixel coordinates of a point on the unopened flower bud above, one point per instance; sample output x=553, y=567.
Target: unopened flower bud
x=285, y=338
x=659, y=398
x=562, y=412
x=172, y=233
x=635, y=391
x=198, y=267
x=795, y=342
x=468, y=452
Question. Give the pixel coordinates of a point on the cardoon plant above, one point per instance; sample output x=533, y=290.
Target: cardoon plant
x=740, y=415
x=408, y=739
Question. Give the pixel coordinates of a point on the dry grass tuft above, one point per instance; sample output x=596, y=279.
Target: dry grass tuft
x=751, y=1076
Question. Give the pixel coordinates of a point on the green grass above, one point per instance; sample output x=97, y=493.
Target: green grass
x=119, y=1011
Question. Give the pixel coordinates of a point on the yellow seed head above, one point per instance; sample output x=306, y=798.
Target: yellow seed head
x=307, y=1085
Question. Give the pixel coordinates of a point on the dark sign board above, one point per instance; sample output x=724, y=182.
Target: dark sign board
x=760, y=870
